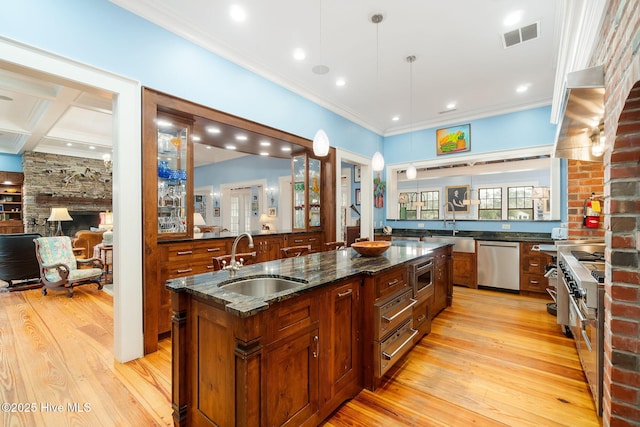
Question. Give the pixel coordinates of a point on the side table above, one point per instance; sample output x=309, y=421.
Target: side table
x=105, y=254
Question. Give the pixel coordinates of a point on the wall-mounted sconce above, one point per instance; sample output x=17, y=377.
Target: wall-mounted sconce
x=467, y=201
x=271, y=196
x=598, y=143
x=216, y=199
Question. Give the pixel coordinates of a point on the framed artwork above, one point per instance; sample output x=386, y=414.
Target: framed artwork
x=455, y=196
x=358, y=196
x=356, y=173
x=272, y=212
x=455, y=139
x=216, y=212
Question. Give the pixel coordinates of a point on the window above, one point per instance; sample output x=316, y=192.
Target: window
x=490, y=206
x=430, y=208
x=520, y=203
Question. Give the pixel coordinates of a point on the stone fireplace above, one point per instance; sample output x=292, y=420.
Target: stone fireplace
x=83, y=186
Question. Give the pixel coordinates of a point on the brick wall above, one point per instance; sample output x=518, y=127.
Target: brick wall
x=618, y=49
x=584, y=178
x=52, y=180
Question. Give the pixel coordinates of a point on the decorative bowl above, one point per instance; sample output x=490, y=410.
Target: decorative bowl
x=371, y=248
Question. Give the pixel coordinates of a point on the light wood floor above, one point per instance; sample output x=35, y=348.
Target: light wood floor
x=491, y=359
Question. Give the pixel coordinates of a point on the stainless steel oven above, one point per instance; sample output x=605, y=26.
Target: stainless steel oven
x=421, y=278
x=582, y=280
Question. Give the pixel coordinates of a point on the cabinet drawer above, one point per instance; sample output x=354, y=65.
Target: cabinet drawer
x=533, y=264
x=176, y=252
x=391, y=313
x=178, y=270
x=313, y=239
x=394, y=347
x=209, y=248
x=292, y=316
x=390, y=282
x=421, y=319
x=533, y=283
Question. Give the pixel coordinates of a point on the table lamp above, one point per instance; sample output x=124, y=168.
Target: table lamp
x=106, y=223
x=59, y=214
x=197, y=221
x=265, y=221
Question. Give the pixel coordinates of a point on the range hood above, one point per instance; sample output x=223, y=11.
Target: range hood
x=583, y=112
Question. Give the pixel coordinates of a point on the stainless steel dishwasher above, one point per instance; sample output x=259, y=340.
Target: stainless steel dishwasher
x=499, y=265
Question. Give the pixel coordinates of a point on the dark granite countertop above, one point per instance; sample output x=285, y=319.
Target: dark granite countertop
x=311, y=271
x=228, y=234
x=477, y=235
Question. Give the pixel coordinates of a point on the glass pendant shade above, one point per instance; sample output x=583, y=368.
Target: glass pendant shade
x=321, y=143
x=412, y=173
x=377, y=162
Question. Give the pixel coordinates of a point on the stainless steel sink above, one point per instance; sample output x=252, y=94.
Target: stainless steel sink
x=260, y=286
x=460, y=244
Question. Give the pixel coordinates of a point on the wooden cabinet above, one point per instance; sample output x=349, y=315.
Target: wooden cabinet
x=307, y=191
x=341, y=354
x=465, y=269
x=313, y=239
x=443, y=290
x=532, y=269
x=11, y=202
x=182, y=259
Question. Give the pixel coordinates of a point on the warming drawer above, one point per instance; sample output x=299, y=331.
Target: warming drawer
x=394, y=347
x=391, y=313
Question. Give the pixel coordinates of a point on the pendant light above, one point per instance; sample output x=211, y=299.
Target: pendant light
x=320, y=139
x=412, y=173
x=377, y=161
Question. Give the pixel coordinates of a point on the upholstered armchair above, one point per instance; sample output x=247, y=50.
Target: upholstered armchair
x=59, y=267
x=87, y=240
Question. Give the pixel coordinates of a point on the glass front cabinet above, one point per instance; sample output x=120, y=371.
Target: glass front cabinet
x=307, y=183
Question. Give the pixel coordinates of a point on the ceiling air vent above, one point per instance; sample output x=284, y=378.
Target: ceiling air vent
x=520, y=35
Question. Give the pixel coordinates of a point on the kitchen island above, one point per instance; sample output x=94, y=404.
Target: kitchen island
x=292, y=357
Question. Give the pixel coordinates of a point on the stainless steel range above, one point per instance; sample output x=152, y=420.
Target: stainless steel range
x=582, y=281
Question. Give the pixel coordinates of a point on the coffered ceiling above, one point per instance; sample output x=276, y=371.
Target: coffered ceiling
x=463, y=69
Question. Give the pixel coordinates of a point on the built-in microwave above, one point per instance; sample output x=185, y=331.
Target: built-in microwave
x=421, y=278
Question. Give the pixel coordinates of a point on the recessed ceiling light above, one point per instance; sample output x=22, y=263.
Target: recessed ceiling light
x=286, y=149
x=451, y=106
x=230, y=147
x=237, y=13
x=265, y=143
x=522, y=88
x=195, y=137
x=241, y=137
x=208, y=147
x=91, y=147
x=263, y=153
x=69, y=144
x=299, y=54
x=5, y=98
x=513, y=18
x=395, y=118
x=340, y=82
x=106, y=157
x=213, y=129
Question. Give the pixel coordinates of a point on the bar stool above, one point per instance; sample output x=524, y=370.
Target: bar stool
x=332, y=246
x=295, y=251
x=362, y=239
x=220, y=261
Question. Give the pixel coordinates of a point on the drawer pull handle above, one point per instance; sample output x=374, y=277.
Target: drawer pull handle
x=213, y=249
x=345, y=293
x=421, y=318
x=532, y=264
x=184, y=252
x=534, y=282
x=392, y=318
x=392, y=355
x=393, y=282
x=186, y=270
x=297, y=241
x=209, y=267
x=312, y=239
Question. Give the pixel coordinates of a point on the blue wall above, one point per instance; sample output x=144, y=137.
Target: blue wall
x=99, y=33
x=10, y=162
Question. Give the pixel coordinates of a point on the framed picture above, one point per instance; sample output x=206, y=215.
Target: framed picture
x=272, y=212
x=356, y=173
x=455, y=139
x=216, y=212
x=455, y=196
x=357, y=196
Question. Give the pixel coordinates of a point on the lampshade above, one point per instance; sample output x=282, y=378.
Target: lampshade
x=59, y=214
x=412, y=173
x=320, y=143
x=106, y=219
x=377, y=162
x=264, y=218
x=198, y=219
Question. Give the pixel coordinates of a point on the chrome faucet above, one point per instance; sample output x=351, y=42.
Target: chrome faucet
x=234, y=265
x=453, y=212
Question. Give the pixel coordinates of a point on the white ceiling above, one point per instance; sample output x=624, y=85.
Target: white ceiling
x=459, y=47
